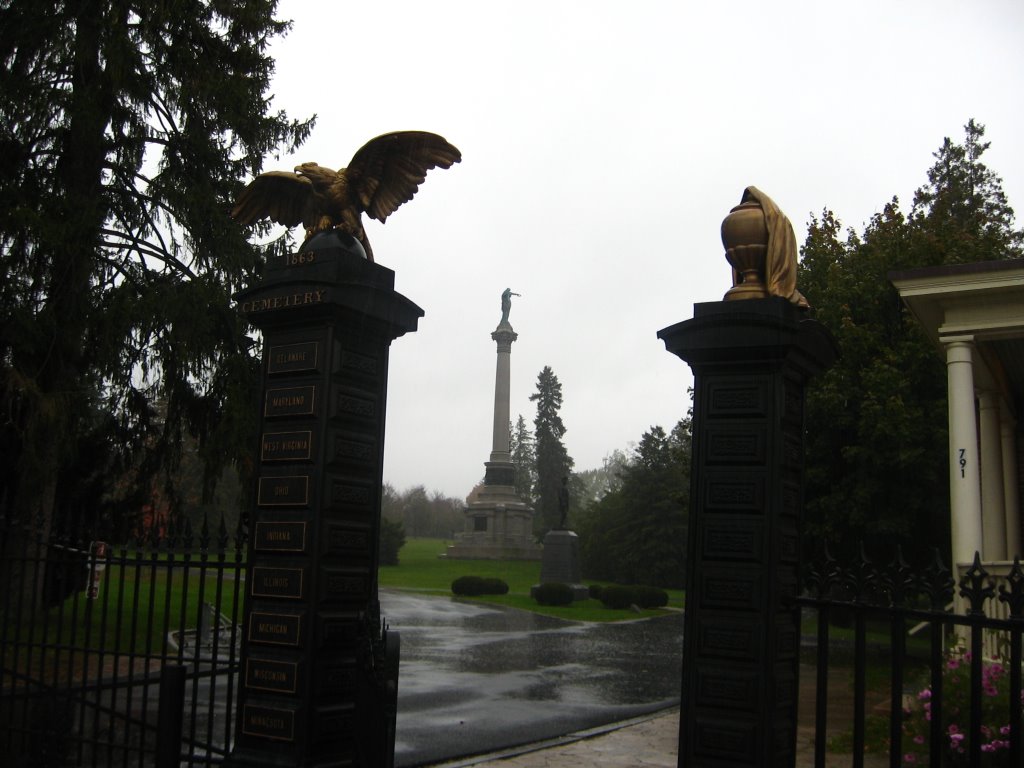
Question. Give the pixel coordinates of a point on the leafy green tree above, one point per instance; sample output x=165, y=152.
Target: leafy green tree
x=525, y=460
x=595, y=484
x=636, y=534
x=877, y=420
x=424, y=514
x=126, y=129
x=553, y=461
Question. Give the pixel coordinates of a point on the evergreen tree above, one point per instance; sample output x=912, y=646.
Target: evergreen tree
x=525, y=460
x=877, y=421
x=553, y=461
x=126, y=129
x=636, y=534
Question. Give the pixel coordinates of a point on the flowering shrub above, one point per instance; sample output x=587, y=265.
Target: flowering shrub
x=956, y=716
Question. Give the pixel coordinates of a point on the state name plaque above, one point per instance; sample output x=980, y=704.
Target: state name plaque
x=268, y=722
x=290, y=401
x=271, y=675
x=284, y=491
x=293, y=358
x=280, y=536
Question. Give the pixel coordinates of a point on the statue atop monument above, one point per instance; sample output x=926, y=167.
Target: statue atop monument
x=386, y=172
x=761, y=247
x=506, y=305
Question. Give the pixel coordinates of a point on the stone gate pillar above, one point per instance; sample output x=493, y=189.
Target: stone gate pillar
x=751, y=361
x=319, y=671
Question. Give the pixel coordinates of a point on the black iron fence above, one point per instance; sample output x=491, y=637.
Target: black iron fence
x=122, y=655
x=953, y=653
x=128, y=655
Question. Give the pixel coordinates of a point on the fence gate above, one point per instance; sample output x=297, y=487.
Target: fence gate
x=121, y=655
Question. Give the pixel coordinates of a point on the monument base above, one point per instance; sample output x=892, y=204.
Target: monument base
x=561, y=563
x=499, y=526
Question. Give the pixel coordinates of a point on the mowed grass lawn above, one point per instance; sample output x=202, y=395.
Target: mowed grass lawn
x=420, y=569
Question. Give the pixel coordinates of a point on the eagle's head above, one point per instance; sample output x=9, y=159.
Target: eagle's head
x=317, y=174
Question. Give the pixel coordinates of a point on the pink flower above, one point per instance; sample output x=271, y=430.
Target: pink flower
x=925, y=694
x=910, y=757
x=919, y=739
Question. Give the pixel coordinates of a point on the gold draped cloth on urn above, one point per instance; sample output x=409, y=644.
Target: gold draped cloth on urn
x=761, y=247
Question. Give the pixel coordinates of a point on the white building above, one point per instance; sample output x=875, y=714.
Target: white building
x=974, y=313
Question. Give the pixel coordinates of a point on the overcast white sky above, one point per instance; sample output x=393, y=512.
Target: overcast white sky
x=603, y=143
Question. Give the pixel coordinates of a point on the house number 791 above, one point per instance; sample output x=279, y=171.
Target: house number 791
x=963, y=462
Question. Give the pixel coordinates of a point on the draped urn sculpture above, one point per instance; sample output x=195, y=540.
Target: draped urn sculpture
x=745, y=238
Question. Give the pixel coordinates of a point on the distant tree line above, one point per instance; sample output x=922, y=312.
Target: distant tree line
x=423, y=514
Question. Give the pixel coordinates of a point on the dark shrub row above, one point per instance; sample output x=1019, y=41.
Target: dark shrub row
x=621, y=597
x=553, y=593
x=471, y=586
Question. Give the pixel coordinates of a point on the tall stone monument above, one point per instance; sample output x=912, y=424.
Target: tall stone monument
x=752, y=355
x=499, y=524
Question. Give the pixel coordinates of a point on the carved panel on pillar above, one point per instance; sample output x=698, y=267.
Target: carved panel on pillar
x=750, y=360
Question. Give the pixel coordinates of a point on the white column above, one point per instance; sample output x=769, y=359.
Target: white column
x=964, y=475
x=993, y=508
x=1011, y=488
x=503, y=336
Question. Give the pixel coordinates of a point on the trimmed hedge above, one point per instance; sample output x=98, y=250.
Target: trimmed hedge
x=553, y=593
x=473, y=586
x=594, y=591
x=620, y=597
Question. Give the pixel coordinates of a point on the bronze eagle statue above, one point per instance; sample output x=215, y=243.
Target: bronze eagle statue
x=386, y=172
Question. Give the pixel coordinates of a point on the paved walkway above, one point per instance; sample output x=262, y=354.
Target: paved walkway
x=652, y=741
x=647, y=742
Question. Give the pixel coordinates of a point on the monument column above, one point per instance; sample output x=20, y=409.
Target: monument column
x=503, y=335
x=499, y=524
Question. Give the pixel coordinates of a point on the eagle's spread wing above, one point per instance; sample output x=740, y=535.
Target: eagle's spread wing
x=281, y=196
x=388, y=170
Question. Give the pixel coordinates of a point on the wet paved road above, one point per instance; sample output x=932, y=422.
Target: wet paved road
x=476, y=678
